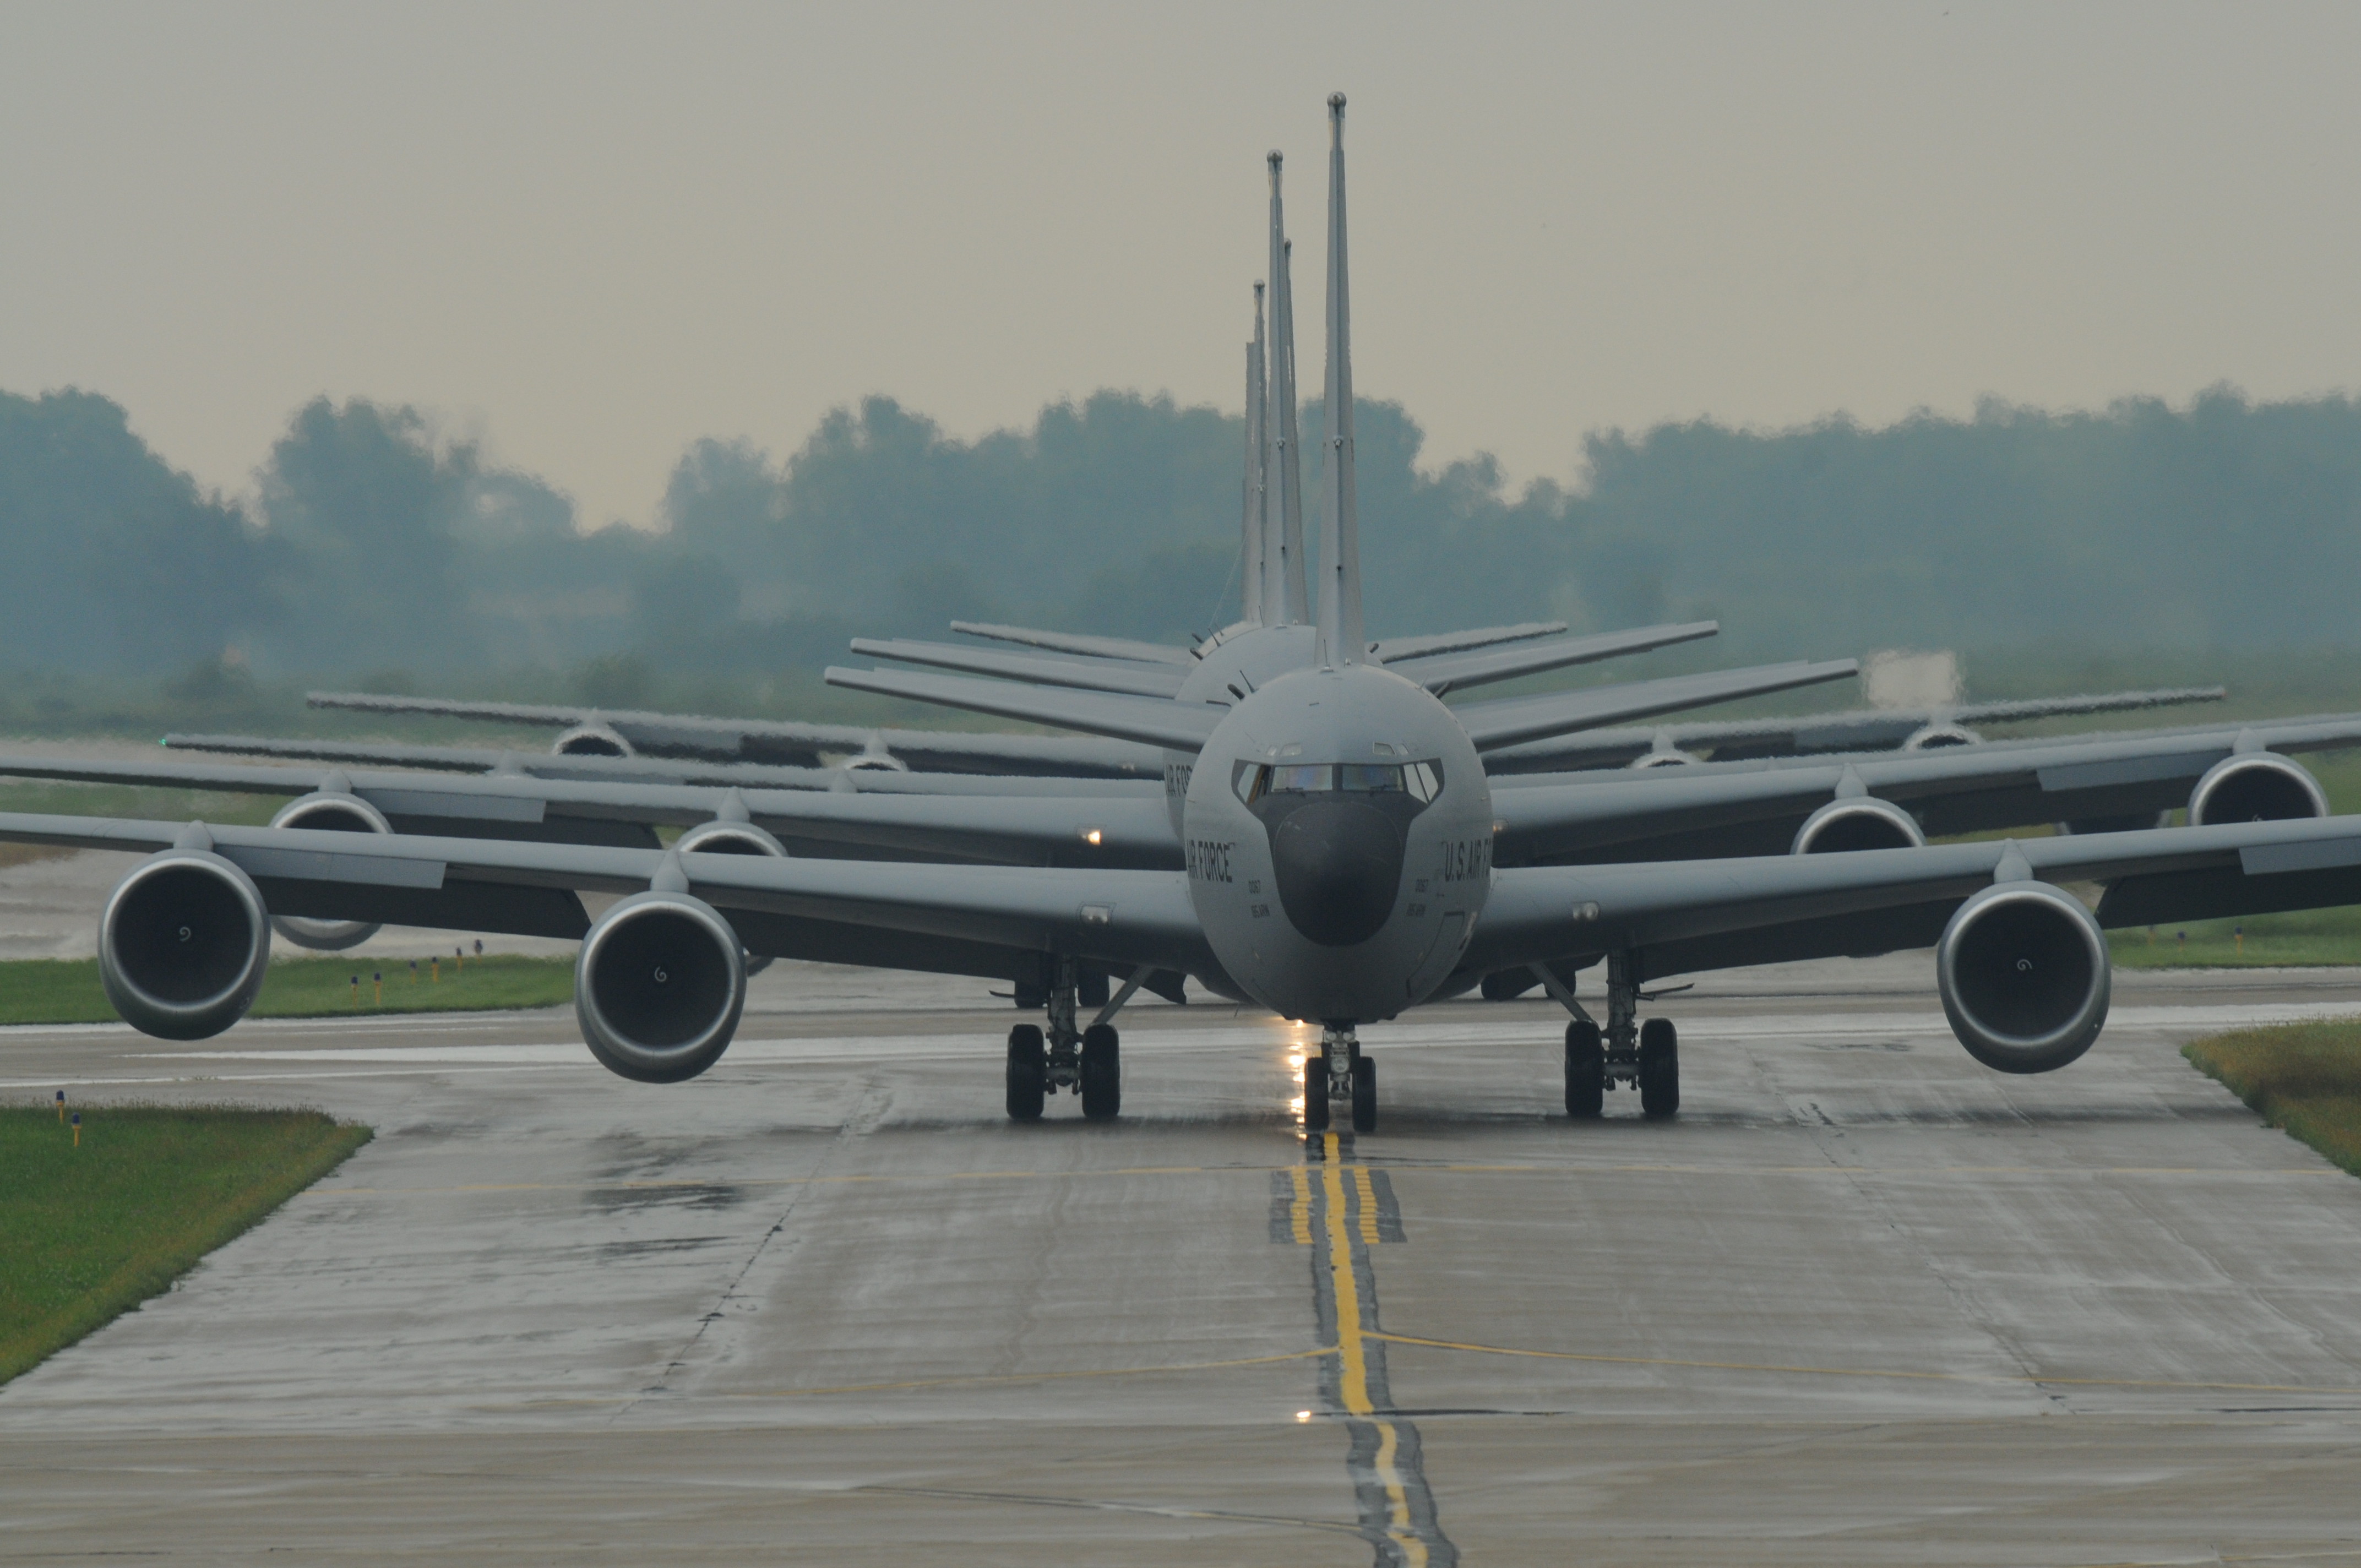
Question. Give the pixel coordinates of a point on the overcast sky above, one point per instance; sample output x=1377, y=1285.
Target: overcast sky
x=592, y=233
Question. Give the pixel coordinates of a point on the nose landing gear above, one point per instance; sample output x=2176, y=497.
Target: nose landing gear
x=1340, y=1072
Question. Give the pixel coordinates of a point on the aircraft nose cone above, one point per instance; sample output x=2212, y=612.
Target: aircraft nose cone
x=1338, y=864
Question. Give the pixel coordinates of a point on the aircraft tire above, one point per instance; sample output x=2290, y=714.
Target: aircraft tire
x=1028, y=1073
x=1365, y=1095
x=1660, y=1070
x=1586, y=1071
x=1316, y=1094
x=1102, y=1082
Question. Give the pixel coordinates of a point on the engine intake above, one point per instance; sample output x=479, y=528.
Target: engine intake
x=1935, y=736
x=328, y=812
x=591, y=741
x=2255, y=786
x=2024, y=976
x=183, y=944
x=659, y=986
x=1860, y=822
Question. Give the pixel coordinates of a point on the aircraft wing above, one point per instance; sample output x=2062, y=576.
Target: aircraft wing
x=693, y=736
x=1684, y=916
x=659, y=770
x=1079, y=643
x=1151, y=721
x=1394, y=648
x=991, y=920
x=1443, y=672
x=1043, y=829
x=1494, y=725
x=1867, y=729
x=1132, y=676
x=1750, y=808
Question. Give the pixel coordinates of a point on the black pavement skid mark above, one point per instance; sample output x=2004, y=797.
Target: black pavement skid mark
x=1385, y=1455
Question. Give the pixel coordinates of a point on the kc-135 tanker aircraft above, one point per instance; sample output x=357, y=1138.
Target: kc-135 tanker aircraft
x=1339, y=844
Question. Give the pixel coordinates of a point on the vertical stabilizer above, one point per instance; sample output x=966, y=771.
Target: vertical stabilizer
x=1286, y=597
x=1250, y=569
x=1342, y=641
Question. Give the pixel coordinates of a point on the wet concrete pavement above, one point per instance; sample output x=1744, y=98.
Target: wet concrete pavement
x=1865, y=1301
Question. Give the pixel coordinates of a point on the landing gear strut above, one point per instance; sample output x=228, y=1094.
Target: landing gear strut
x=1645, y=1056
x=1340, y=1072
x=1086, y=1061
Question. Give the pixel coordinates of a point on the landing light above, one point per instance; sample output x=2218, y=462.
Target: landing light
x=1092, y=836
x=1303, y=1415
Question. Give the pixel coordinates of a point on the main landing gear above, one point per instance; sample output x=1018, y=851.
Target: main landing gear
x=1084, y=1062
x=1645, y=1056
x=1340, y=1072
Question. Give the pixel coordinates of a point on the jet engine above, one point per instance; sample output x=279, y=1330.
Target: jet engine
x=183, y=944
x=591, y=739
x=732, y=839
x=658, y=987
x=335, y=813
x=1934, y=737
x=1858, y=822
x=2255, y=786
x=2022, y=969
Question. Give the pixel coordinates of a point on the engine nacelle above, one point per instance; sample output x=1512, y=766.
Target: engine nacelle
x=183, y=944
x=1857, y=822
x=658, y=987
x=332, y=813
x=719, y=838
x=1935, y=736
x=591, y=739
x=2024, y=974
x=2255, y=786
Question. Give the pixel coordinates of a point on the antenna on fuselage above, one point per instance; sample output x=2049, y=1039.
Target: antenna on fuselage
x=1285, y=596
x=1250, y=545
x=1341, y=640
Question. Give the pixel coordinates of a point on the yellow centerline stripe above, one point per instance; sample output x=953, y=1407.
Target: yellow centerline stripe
x=1353, y=1367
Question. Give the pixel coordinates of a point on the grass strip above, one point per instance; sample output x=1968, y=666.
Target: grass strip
x=66, y=991
x=2305, y=1078
x=2304, y=938
x=89, y=1233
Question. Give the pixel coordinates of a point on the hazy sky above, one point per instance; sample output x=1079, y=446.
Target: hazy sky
x=594, y=233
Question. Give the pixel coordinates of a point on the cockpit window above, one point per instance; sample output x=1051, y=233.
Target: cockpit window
x=1421, y=781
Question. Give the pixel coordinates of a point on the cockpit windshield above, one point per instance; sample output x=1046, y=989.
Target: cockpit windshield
x=1422, y=781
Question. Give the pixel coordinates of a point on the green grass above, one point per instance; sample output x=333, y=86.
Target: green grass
x=55, y=991
x=2304, y=1077
x=2299, y=939
x=88, y=1233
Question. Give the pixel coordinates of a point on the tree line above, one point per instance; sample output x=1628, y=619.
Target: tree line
x=368, y=543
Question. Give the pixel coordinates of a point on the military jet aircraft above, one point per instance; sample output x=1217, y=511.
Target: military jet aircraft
x=1339, y=838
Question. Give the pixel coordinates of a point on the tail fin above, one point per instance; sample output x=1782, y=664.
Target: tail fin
x=1341, y=638
x=1286, y=601
x=1250, y=543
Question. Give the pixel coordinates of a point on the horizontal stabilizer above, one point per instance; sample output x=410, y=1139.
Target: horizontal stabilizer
x=1128, y=675
x=1151, y=721
x=1079, y=643
x=1491, y=725
x=1453, y=672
